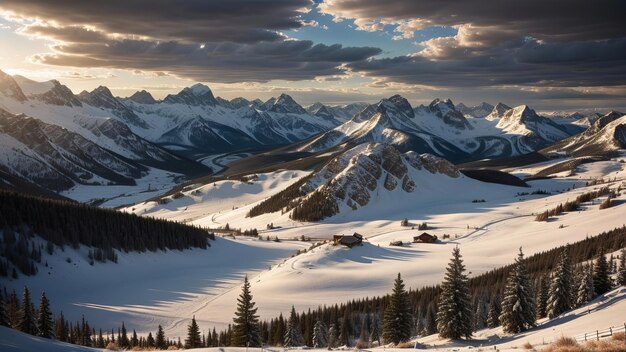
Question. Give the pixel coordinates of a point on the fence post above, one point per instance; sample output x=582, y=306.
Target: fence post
x=597, y=335
x=611, y=330
x=585, y=336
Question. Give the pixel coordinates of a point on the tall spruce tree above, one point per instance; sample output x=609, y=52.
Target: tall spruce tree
x=4, y=320
x=150, y=343
x=160, y=341
x=584, y=289
x=13, y=311
x=193, y=340
x=518, y=305
x=621, y=270
x=375, y=329
x=493, y=318
x=61, y=330
x=601, y=278
x=28, y=323
x=44, y=319
x=293, y=334
x=431, y=320
x=543, y=293
x=320, y=335
x=454, y=316
x=346, y=328
x=480, y=317
x=246, y=331
x=397, y=319
x=123, y=340
x=560, y=297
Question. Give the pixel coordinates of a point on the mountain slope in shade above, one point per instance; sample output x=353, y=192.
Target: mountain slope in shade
x=56, y=158
x=101, y=97
x=481, y=110
x=196, y=95
x=605, y=136
x=142, y=97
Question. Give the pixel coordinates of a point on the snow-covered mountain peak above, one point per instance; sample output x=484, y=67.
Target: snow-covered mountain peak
x=9, y=87
x=31, y=87
x=445, y=110
x=102, y=97
x=238, y=103
x=481, y=110
x=142, y=97
x=402, y=105
x=286, y=104
x=498, y=111
x=196, y=95
x=365, y=173
x=200, y=89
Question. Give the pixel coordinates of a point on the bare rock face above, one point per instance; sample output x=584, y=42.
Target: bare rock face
x=390, y=182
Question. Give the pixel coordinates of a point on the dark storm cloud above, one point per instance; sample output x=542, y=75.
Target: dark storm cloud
x=555, y=20
x=187, y=20
x=219, y=41
x=523, y=62
x=216, y=62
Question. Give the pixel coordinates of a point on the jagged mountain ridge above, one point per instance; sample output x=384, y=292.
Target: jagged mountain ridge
x=605, y=136
x=351, y=180
x=440, y=129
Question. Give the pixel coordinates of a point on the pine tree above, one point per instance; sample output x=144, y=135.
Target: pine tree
x=27, y=322
x=584, y=290
x=493, y=318
x=621, y=271
x=431, y=320
x=293, y=334
x=420, y=328
x=518, y=305
x=13, y=311
x=454, y=316
x=61, y=330
x=397, y=319
x=364, y=335
x=344, y=333
x=375, y=329
x=193, y=335
x=320, y=335
x=480, y=317
x=542, y=297
x=123, y=338
x=4, y=320
x=560, y=297
x=150, y=343
x=134, y=341
x=44, y=320
x=601, y=279
x=333, y=335
x=246, y=331
x=160, y=342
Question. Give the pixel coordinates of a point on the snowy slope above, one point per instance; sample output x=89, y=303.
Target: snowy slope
x=206, y=283
x=606, y=135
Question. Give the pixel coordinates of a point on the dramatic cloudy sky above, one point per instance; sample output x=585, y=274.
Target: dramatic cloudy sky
x=550, y=54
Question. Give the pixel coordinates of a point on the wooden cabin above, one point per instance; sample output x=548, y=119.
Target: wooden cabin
x=425, y=237
x=348, y=241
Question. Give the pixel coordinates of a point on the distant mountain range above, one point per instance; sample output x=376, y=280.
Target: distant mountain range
x=56, y=139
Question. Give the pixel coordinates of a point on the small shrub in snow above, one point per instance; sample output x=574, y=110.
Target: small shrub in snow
x=527, y=346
